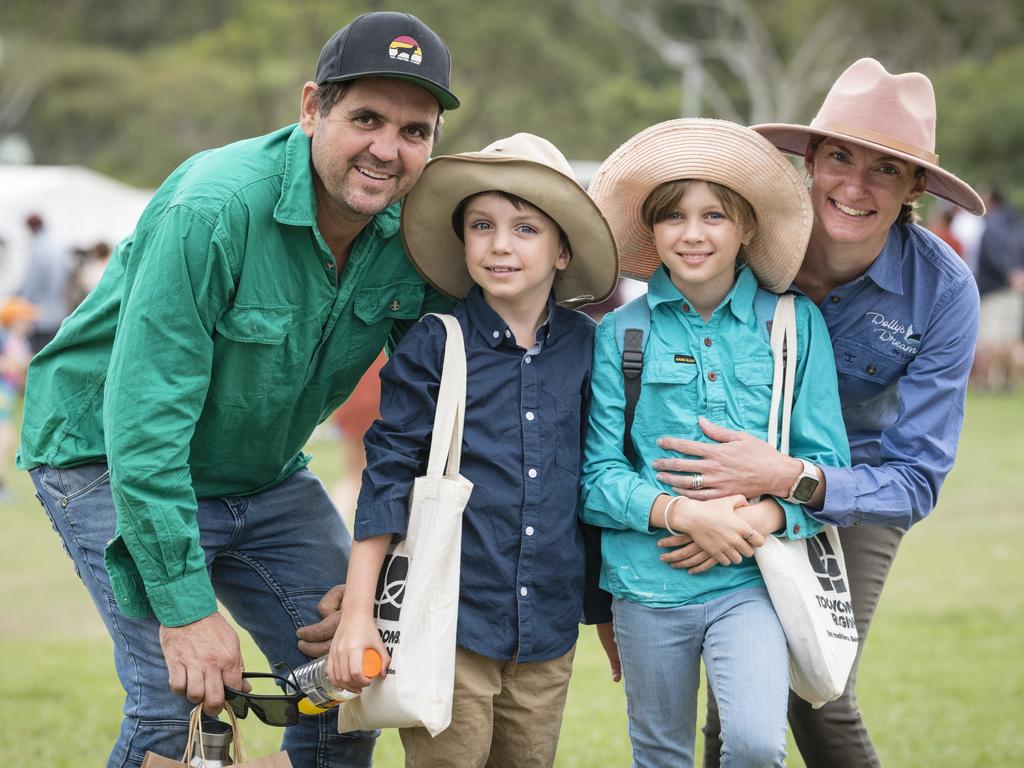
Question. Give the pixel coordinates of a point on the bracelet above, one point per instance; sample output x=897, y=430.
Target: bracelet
x=668, y=506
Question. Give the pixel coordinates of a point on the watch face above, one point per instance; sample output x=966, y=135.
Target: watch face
x=805, y=489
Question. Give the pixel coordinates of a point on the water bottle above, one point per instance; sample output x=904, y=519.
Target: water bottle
x=311, y=678
x=215, y=736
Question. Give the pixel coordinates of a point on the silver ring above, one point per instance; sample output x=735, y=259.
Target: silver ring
x=696, y=481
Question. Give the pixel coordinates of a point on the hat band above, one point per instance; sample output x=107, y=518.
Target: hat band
x=878, y=138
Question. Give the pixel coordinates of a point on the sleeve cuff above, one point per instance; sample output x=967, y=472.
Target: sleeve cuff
x=638, y=508
x=839, y=507
x=379, y=519
x=798, y=524
x=183, y=600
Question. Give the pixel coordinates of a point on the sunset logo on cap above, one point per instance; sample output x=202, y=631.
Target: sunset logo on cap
x=404, y=48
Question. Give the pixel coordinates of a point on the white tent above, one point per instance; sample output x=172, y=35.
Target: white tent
x=80, y=208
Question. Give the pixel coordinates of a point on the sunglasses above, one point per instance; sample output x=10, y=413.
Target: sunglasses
x=273, y=709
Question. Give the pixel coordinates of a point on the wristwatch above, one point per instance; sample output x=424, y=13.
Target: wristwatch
x=806, y=484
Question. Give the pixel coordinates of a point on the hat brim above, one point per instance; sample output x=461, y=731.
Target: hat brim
x=794, y=139
x=445, y=98
x=439, y=255
x=709, y=150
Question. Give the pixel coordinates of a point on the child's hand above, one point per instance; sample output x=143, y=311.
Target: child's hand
x=716, y=528
x=686, y=553
x=355, y=634
x=606, y=634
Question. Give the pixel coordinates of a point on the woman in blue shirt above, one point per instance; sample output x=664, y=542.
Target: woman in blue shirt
x=902, y=311
x=704, y=209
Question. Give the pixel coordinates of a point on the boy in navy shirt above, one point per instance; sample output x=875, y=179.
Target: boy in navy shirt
x=511, y=233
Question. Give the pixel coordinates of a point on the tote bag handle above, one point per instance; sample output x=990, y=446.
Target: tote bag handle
x=783, y=341
x=446, y=441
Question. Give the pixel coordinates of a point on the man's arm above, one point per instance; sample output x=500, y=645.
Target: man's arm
x=177, y=280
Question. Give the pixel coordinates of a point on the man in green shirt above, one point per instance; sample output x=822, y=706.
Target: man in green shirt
x=164, y=425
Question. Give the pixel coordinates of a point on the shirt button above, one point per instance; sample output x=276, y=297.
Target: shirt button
x=328, y=265
x=686, y=307
x=529, y=530
x=836, y=299
x=527, y=359
x=532, y=472
x=707, y=341
x=396, y=305
x=523, y=591
x=529, y=415
x=495, y=335
x=796, y=528
x=872, y=370
x=712, y=376
x=508, y=334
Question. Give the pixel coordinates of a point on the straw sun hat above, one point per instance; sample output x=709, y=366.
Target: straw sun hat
x=894, y=114
x=526, y=166
x=709, y=150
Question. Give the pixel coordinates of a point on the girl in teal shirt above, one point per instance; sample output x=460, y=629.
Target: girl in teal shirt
x=712, y=215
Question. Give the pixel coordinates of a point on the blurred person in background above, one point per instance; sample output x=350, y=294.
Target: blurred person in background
x=16, y=319
x=940, y=223
x=999, y=360
x=86, y=274
x=967, y=229
x=164, y=426
x=46, y=282
x=902, y=312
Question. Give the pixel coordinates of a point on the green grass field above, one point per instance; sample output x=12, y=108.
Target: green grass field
x=941, y=684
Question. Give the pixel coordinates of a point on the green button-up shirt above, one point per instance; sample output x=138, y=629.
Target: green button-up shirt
x=218, y=338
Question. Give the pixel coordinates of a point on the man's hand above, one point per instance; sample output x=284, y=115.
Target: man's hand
x=736, y=463
x=606, y=634
x=315, y=639
x=203, y=657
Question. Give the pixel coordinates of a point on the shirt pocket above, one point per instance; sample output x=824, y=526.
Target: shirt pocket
x=754, y=389
x=249, y=353
x=401, y=301
x=669, y=397
x=864, y=372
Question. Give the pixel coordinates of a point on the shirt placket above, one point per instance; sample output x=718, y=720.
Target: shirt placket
x=533, y=420
x=712, y=366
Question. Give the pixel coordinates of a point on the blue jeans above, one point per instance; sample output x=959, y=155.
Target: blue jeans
x=271, y=556
x=744, y=651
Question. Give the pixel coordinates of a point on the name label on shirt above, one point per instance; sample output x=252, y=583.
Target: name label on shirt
x=688, y=359
x=900, y=336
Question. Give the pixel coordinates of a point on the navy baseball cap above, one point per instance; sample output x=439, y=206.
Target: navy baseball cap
x=386, y=44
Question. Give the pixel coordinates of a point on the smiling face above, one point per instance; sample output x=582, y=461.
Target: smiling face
x=698, y=242
x=513, y=250
x=857, y=192
x=370, y=149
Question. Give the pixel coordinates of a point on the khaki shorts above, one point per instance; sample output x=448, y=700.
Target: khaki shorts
x=503, y=714
x=1002, y=318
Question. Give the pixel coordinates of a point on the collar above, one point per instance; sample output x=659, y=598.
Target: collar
x=490, y=325
x=296, y=205
x=740, y=299
x=887, y=270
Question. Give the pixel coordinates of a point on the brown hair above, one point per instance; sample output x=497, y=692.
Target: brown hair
x=519, y=203
x=665, y=198
x=908, y=211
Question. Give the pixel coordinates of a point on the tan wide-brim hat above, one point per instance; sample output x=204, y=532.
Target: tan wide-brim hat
x=526, y=166
x=894, y=114
x=708, y=150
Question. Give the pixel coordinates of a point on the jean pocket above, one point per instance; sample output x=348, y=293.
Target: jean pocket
x=70, y=483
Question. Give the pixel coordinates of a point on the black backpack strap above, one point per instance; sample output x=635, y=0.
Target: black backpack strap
x=632, y=367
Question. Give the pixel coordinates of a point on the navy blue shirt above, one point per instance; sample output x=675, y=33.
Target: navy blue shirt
x=903, y=335
x=523, y=563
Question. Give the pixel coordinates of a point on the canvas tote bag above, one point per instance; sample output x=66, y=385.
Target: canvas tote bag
x=806, y=578
x=194, y=748
x=417, y=603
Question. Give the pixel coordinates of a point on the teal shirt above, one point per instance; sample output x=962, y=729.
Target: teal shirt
x=677, y=386
x=217, y=339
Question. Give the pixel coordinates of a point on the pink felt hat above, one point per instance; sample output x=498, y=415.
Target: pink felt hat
x=891, y=113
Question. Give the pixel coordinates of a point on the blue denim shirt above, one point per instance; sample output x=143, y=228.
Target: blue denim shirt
x=522, y=579
x=904, y=336
x=721, y=369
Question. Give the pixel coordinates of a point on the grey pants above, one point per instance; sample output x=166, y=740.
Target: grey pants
x=835, y=736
